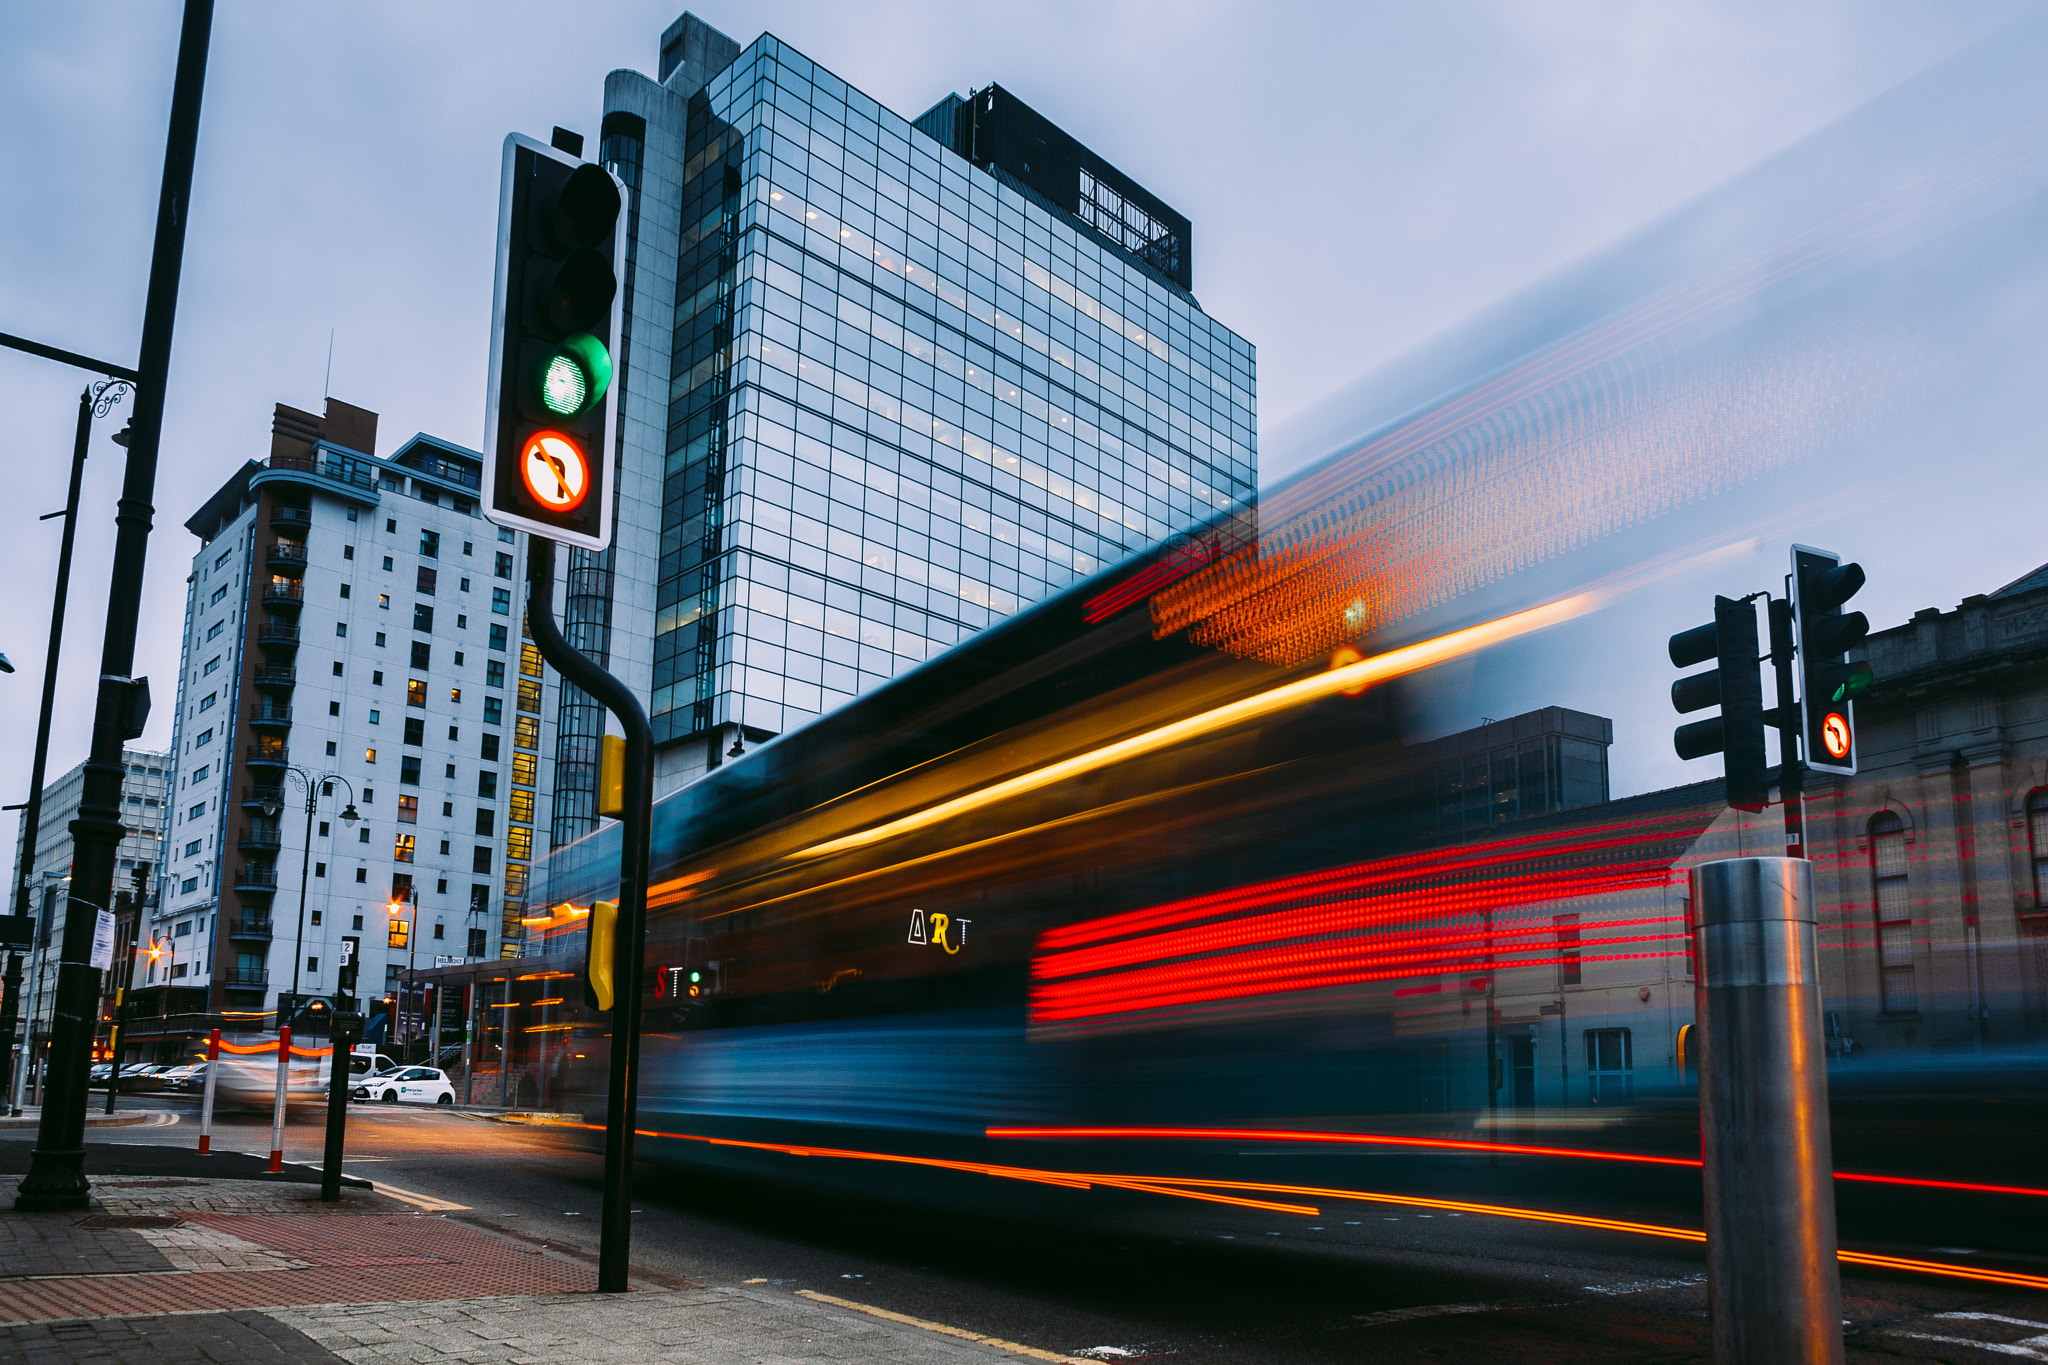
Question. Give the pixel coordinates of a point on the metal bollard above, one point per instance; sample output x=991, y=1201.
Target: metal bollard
x=1774, y=1287
x=284, y=1066
x=206, y=1104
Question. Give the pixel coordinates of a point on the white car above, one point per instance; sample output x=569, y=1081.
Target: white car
x=407, y=1085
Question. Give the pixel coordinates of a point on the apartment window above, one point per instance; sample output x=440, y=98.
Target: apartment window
x=196, y=811
x=369, y=755
x=454, y=733
x=461, y=623
x=422, y=655
x=383, y=601
x=348, y=552
x=415, y=730
x=503, y=566
x=494, y=711
x=362, y=875
x=480, y=858
x=479, y=942
x=1610, y=1067
x=218, y=593
x=213, y=632
x=455, y=696
x=488, y=752
x=211, y=665
x=458, y=653
x=487, y=785
x=206, y=702
x=377, y=677
x=501, y=601
x=192, y=849
x=341, y=628
x=408, y=810
x=1567, y=949
x=201, y=773
x=387, y=563
x=334, y=709
x=422, y=618
x=344, y=590
x=1894, y=914
x=376, y=716
x=494, y=673
x=529, y=661
x=464, y=585
x=430, y=544
x=529, y=695
x=409, y=770
x=380, y=639
x=424, y=585
x=369, y=795
x=319, y=870
x=330, y=748
x=416, y=692
x=221, y=563
x=401, y=849
x=391, y=525
x=486, y=822
x=524, y=766
x=337, y=668
x=520, y=807
x=188, y=886
x=518, y=842
x=526, y=732
x=497, y=637
x=205, y=738
x=505, y=534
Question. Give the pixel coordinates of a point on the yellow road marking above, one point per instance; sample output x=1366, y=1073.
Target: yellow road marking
x=424, y=1202
x=940, y=1327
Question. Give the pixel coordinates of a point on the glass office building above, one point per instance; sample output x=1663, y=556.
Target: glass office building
x=885, y=382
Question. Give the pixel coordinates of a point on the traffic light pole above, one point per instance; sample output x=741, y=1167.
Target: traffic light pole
x=56, y=1174
x=629, y=950
x=1791, y=772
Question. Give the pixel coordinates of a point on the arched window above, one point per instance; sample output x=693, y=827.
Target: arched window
x=2037, y=831
x=1894, y=914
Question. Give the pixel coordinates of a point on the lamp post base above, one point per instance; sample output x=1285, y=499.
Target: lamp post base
x=55, y=1183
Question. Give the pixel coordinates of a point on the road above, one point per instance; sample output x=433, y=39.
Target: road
x=1197, y=1282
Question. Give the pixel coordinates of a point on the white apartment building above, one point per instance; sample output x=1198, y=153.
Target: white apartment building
x=353, y=636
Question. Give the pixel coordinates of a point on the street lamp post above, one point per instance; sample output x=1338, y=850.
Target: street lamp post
x=412, y=894
x=314, y=787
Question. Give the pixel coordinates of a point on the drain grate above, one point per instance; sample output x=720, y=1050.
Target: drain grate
x=130, y=1220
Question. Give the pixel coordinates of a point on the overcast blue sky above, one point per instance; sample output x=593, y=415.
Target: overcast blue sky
x=1359, y=176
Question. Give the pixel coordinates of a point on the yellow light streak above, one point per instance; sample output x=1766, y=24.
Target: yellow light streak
x=1348, y=678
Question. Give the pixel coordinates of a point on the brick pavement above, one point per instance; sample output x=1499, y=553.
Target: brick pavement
x=179, y=1271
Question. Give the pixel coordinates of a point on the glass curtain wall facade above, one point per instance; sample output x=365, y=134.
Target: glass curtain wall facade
x=906, y=399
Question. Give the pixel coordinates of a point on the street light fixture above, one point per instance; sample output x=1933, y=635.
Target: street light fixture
x=315, y=786
x=405, y=934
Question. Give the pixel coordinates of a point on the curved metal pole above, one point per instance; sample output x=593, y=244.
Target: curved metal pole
x=615, y=1236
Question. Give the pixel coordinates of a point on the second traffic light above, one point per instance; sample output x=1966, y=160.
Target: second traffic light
x=1736, y=686
x=1828, y=682
x=556, y=319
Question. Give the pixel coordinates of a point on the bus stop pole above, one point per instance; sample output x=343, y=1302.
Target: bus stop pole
x=1774, y=1287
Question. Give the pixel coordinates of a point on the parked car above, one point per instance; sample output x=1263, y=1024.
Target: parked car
x=190, y=1076
x=407, y=1085
x=99, y=1073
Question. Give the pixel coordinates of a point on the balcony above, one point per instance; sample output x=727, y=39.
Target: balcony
x=287, y=557
x=267, y=756
x=274, y=675
x=291, y=519
x=250, y=929
x=246, y=979
x=271, y=718
x=258, y=796
x=256, y=881
x=284, y=594
x=262, y=836
x=277, y=635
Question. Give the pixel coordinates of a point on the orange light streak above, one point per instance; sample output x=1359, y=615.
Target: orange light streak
x=1205, y=1190
x=1381, y=667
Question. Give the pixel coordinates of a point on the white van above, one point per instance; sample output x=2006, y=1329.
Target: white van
x=365, y=1060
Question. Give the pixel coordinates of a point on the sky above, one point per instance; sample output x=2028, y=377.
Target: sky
x=1361, y=177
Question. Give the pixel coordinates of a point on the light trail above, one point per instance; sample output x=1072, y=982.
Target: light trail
x=1351, y=677
x=1238, y=1192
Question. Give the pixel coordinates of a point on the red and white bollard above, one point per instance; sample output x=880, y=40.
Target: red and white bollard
x=284, y=1064
x=206, y=1105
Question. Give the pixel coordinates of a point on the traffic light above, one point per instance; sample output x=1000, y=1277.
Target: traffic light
x=1828, y=681
x=555, y=321
x=345, y=978
x=598, y=973
x=1736, y=686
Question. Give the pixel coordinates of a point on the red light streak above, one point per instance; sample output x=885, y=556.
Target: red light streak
x=1465, y=1145
x=1208, y=1191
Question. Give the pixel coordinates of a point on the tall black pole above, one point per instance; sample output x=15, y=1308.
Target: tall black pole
x=305, y=864
x=615, y=1236
x=32, y=817
x=56, y=1172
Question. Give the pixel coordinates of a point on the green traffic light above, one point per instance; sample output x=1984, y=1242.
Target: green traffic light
x=1851, y=682
x=696, y=976
x=575, y=376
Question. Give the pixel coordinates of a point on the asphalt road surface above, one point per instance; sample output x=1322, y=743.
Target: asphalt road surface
x=1200, y=1283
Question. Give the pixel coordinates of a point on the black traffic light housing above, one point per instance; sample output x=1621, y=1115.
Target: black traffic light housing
x=555, y=324
x=1736, y=686
x=1828, y=680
